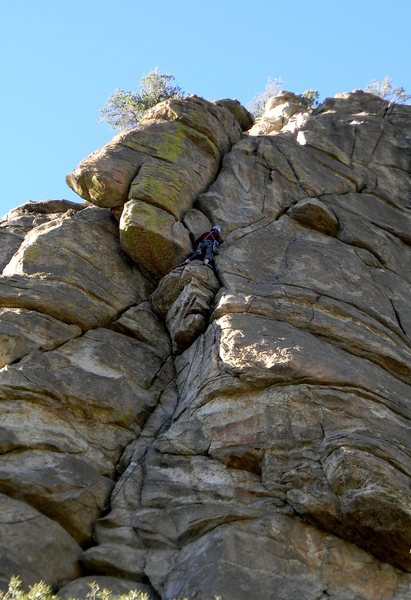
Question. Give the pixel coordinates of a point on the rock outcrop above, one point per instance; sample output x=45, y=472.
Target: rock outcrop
x=152, y=174
x=241, y=431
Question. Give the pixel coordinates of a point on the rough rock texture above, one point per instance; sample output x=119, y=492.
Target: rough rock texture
x=58, y=270
x=282, y=112
x=19, y=221
x=156, y=171
x=242, y=431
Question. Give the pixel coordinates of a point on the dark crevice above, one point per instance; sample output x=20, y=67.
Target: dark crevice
x=397, y=315
x=369, y=249
x=404, y=238
x=376, y=144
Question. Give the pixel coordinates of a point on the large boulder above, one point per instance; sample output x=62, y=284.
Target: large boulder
x=74, y=270
x=34, y=547
x=157, y=170
x=19, y=221
x=279, y=557
x=22, y=331
x=154, y=239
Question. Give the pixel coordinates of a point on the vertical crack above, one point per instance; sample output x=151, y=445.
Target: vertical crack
x=292, y=169
x=397, y=315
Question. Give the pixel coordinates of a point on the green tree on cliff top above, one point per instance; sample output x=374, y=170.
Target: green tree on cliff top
x=385, y=90
x=124, y=110
x=273, y=88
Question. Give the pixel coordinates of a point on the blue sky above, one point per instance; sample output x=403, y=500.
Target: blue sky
x=61, y=59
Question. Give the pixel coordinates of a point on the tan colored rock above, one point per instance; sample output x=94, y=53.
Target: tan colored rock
x=285, y=253
x=270, y=451
x=315, y=214
x=387, y=249
x=196, y=222
x=160, y=167
x=268, y=176
x=315, y=375
x=373, y=209
x=153, y=238
x=267, y=432
x=193, y=477
x=184, y=298
x=44, y=207
x=104, y=177
x=358, y=333
x=59, y=271
x=242, y=115
x=187, y=318
x=164, y=186
x=22, y=331
x=277, y=113
x=48, y=429
x=10, y=240
x=285, y=353
x=18, y=222
x=142, y=323
x=95, y=392
x=170, y=287
x=398, y=291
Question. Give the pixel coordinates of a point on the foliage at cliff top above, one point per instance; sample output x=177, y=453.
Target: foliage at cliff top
x=124, y=109
x=273, y=88
x=387, y=91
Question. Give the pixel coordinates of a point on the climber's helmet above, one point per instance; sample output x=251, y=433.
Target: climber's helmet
x=217, y=227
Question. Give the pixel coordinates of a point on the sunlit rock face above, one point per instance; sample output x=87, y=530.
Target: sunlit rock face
x=241, y=431
x=152, y=174
x=282, y=112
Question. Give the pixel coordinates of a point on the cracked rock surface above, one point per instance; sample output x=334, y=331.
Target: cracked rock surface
x=241, y=431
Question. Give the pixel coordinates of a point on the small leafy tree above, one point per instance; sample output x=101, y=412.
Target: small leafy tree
x=272, y=88
x=310, y=98
x=124, y=110
x=385, y=90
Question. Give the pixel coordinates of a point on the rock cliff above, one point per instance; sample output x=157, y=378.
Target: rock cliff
x=240, y=431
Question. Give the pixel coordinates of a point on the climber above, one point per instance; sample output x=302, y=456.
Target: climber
x=207, y=245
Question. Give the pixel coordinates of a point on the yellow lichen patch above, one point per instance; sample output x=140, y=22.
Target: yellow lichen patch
x=153, y=238
x=159, y=140
x=166, y=186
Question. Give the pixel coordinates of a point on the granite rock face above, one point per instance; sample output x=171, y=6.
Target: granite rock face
x=156, y=171
x=281, y=113
x=241, y=431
